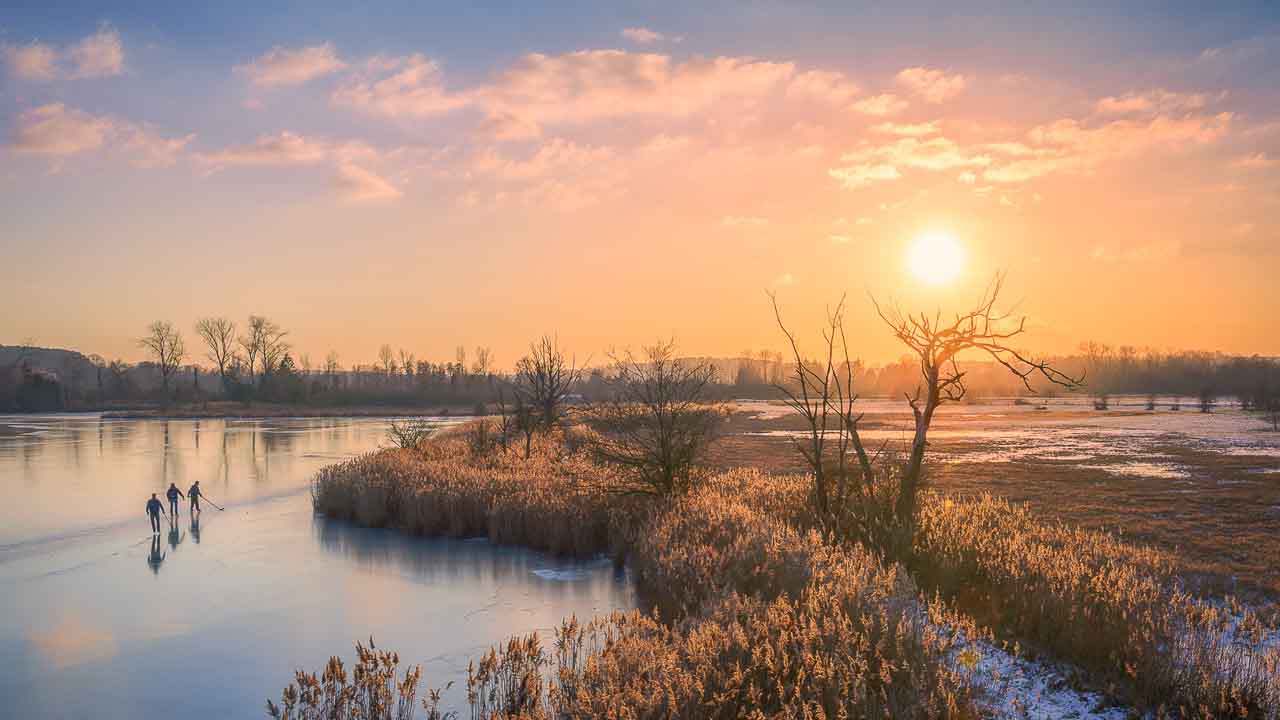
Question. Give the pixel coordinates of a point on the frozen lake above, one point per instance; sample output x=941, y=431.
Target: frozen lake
x=210, y=619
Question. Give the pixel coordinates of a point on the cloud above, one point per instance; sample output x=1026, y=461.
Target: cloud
x=934, y=86
x=827, y=87
x=871, y=163
x=399, y=87
x=279, y=149
x=98, y=55
x=356, y=184
x=881, y=105
x=907, y=130
x=148, y=149
x=839, y=239
x=857, y=176
x=1256, y=161
x=281, y=66
x=784, y=280
x=592, y=85
x=57, y=131
x=34, y=62
x=1157, y=101
x=967, y=177
x=641, y=35
x=505, y=126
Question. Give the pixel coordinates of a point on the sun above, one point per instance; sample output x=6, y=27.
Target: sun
x=936, y=259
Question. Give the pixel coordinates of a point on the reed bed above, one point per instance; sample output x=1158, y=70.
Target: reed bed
x=753, y=617
x=1112, y=607
x=738, y=580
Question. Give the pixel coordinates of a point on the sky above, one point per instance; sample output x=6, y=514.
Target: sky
x=435, y=175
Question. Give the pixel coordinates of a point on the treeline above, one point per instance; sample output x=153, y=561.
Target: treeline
x=1106, y=371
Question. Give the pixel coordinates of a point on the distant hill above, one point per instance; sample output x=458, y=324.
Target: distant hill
x=70, y=367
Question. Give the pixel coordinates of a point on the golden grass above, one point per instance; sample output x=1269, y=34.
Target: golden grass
x=754, y=616
x=1107, y=605
x=757, y=613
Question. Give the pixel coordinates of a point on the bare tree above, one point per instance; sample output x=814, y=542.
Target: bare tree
x=544, y=379
x=264, y=345
x=657, y=422
x=407, y=363
x=164, y=344
x=937, y=344
x=387, y=360
x=219, y=336
x=822, y=393
x=483, y=362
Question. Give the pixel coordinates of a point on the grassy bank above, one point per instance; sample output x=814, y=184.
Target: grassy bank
x=752, y=614
x=755, y=612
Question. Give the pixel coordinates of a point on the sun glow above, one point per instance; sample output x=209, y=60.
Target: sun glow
x=935, y=259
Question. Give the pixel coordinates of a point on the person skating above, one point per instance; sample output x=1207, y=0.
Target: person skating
x=154, y=508
x=193, y=494
x=173, y=493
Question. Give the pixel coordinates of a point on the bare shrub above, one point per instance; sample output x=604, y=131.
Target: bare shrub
x=409, y=434
x=544, y=380
x=657, y=422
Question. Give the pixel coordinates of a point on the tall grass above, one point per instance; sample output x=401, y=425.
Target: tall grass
x=1105, y=604
x=754, y=617
x=739, y=581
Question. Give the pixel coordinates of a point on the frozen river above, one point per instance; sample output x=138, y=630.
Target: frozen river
x=210, y=619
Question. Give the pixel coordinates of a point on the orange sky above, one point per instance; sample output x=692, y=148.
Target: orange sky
x=655, y=187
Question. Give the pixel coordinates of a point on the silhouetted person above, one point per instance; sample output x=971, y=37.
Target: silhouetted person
x=154, y=508
x=193, y=494
x=173, y=494
x=156, y=557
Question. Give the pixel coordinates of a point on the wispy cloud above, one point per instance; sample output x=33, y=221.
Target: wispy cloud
x=33, y=62
x=881, y=105
x=57, y=132
x=934, y=86
x=96, y=56
x=412, y=86
x=99, y=55
x=281, y=66
x=642, y=35
x=358, y=185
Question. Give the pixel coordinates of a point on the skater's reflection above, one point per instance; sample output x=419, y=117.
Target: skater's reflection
x=156, y=557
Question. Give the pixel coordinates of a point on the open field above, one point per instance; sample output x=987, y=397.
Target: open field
x=1204, y=487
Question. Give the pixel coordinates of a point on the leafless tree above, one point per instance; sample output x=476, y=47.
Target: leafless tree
x=544, y=379
x=164, y=344
x=264, y=345
x=387, y=360
x=460, y=356
x=657, y=421
x=407, y=363
x=483, y=362
x=938, y=343
x=219, y=336
x=822, y=392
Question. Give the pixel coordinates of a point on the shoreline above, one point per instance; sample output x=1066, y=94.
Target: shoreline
x=289, y=411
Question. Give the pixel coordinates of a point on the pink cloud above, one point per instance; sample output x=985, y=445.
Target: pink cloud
x=934, y=86
x=34, y=62
x=282, y=66
x=399, y=87
x=55, y=130
x=99, y=55
x=641, y=35
x=358, y=185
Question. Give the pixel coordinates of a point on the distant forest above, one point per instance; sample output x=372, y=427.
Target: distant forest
x=263, y=369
